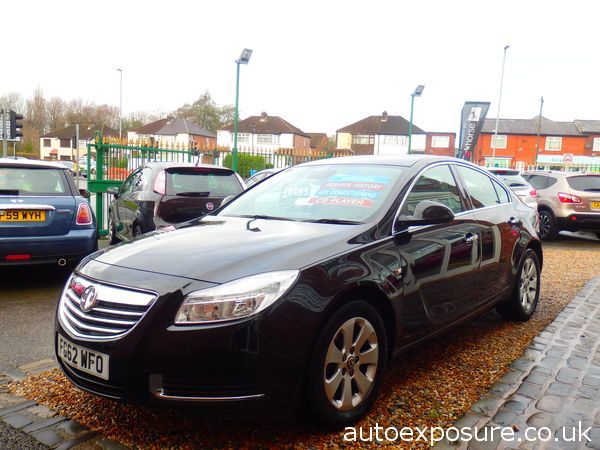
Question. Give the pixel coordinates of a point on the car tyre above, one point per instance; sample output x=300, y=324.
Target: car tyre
x=347, y=365
x=548, y=227
x=526, y=292
x=112, y=232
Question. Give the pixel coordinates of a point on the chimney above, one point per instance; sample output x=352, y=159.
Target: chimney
x=384, y=116
x=263, y=116
x=170, y=119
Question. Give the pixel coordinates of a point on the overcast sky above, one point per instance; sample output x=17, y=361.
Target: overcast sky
x=321, y=65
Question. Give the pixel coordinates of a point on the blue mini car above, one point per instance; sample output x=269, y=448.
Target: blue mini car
x=44, y=218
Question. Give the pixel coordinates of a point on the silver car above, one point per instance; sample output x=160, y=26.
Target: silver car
x=513, y=179
x=566, y=201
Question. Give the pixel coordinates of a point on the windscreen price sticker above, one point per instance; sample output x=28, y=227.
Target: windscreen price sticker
x=342, y=201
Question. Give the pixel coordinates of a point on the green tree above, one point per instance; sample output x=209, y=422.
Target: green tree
x=206, y=113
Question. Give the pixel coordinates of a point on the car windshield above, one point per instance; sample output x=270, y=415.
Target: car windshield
x=588, y=183
x=202, y=181
x=320, y=193
x=32, y=181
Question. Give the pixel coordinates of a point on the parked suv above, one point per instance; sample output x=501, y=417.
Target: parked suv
x=566, y=201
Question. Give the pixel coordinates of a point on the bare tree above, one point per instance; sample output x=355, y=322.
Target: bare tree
x=14, y=101
x=56, y=109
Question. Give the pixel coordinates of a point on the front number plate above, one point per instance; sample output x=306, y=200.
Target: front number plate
x=84, y=359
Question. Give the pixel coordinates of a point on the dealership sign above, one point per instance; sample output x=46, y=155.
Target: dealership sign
x=472, y=118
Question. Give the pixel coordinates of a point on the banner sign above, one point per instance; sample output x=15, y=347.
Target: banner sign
x=473, y=116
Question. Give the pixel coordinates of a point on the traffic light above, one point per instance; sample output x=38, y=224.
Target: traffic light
x=16, y=126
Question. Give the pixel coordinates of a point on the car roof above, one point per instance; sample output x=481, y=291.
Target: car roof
x=502, y=171
x=31, y=163
x=390, y=160
x=169, y=164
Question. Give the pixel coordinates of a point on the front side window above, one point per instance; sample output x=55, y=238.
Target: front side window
x=479, y=187
x=440, y=141
x=267, y=139
x=401, y=141
x=553, y=143
x=130, y=182
x=30, y=181
x=499, y=141
x=324, y=192
x=363, y=139
x=436, y=184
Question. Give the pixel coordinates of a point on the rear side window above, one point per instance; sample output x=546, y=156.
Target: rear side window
x=202, y=182
x=502, y=194
x=586, y=183
x=479, y=187
x=33, y=181
x=436, y=184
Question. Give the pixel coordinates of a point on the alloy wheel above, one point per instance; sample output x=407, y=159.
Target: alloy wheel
x=351, y=364
x=528, y=284
x=545, y=224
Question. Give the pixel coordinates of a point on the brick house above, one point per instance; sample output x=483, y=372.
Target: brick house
x=175, y=131
x=388, y=135
x=58, y=144
x=516, y=142
x=265, y=134
x=319, y=142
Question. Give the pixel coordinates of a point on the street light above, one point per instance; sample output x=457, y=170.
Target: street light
x=120, y=101
x=417, y=93
x=243, y=59
x=498, y=113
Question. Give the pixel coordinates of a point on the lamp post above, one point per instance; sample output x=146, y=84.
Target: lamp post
x=498, y=113
x=243, y=59
x=537, y=139
x=120, y=101
x=417, y=93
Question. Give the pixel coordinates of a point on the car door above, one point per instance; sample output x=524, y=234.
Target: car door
x=123, y=210
x=441, y=261
x=498, y=222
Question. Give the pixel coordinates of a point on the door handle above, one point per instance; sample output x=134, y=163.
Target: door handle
x=514, y=222
x=470, y=239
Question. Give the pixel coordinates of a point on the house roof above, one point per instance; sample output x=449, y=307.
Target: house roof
x=266, y=125
x=530, y=127
x=85, y=132
x=383, y=125
x=171, y=127
x=588, y=126
x=317, y=138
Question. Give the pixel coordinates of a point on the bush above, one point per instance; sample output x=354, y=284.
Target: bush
x=247, y=162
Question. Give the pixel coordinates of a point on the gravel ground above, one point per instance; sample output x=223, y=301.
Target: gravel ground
x=432, y=386
x=11, y=438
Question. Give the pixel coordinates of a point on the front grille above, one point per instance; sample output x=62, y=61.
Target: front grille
x=115, y=312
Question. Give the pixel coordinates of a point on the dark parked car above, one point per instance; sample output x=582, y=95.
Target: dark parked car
x=43, y=217
x=160, y=194
x=259, y=176
x=300, y=291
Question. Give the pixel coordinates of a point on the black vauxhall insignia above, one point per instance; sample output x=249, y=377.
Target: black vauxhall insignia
x=300, y=291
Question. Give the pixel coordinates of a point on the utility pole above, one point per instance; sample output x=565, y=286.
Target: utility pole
x=537, y=140
x=77, y=153
x=495, y=139
x=4, y=116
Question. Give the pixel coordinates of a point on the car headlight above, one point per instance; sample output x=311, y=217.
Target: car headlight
x=237, y=299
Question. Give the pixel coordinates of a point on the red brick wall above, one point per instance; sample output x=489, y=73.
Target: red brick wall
x=205, y=143
x=301, y=142
x=522, y=148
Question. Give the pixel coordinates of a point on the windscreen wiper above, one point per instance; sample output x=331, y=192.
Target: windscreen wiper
x=194, y=194
x=260, y=216
x=334, y=221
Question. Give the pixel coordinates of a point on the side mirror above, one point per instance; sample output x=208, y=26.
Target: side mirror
x=114, y=190
x=426, y=212
x=84, y=193
x=227, y=200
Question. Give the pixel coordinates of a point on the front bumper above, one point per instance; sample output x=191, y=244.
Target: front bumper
x=72, y=246
x=157, y=362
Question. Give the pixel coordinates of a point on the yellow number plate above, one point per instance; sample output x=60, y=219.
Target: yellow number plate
x=595, y=205
x=22, y=215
